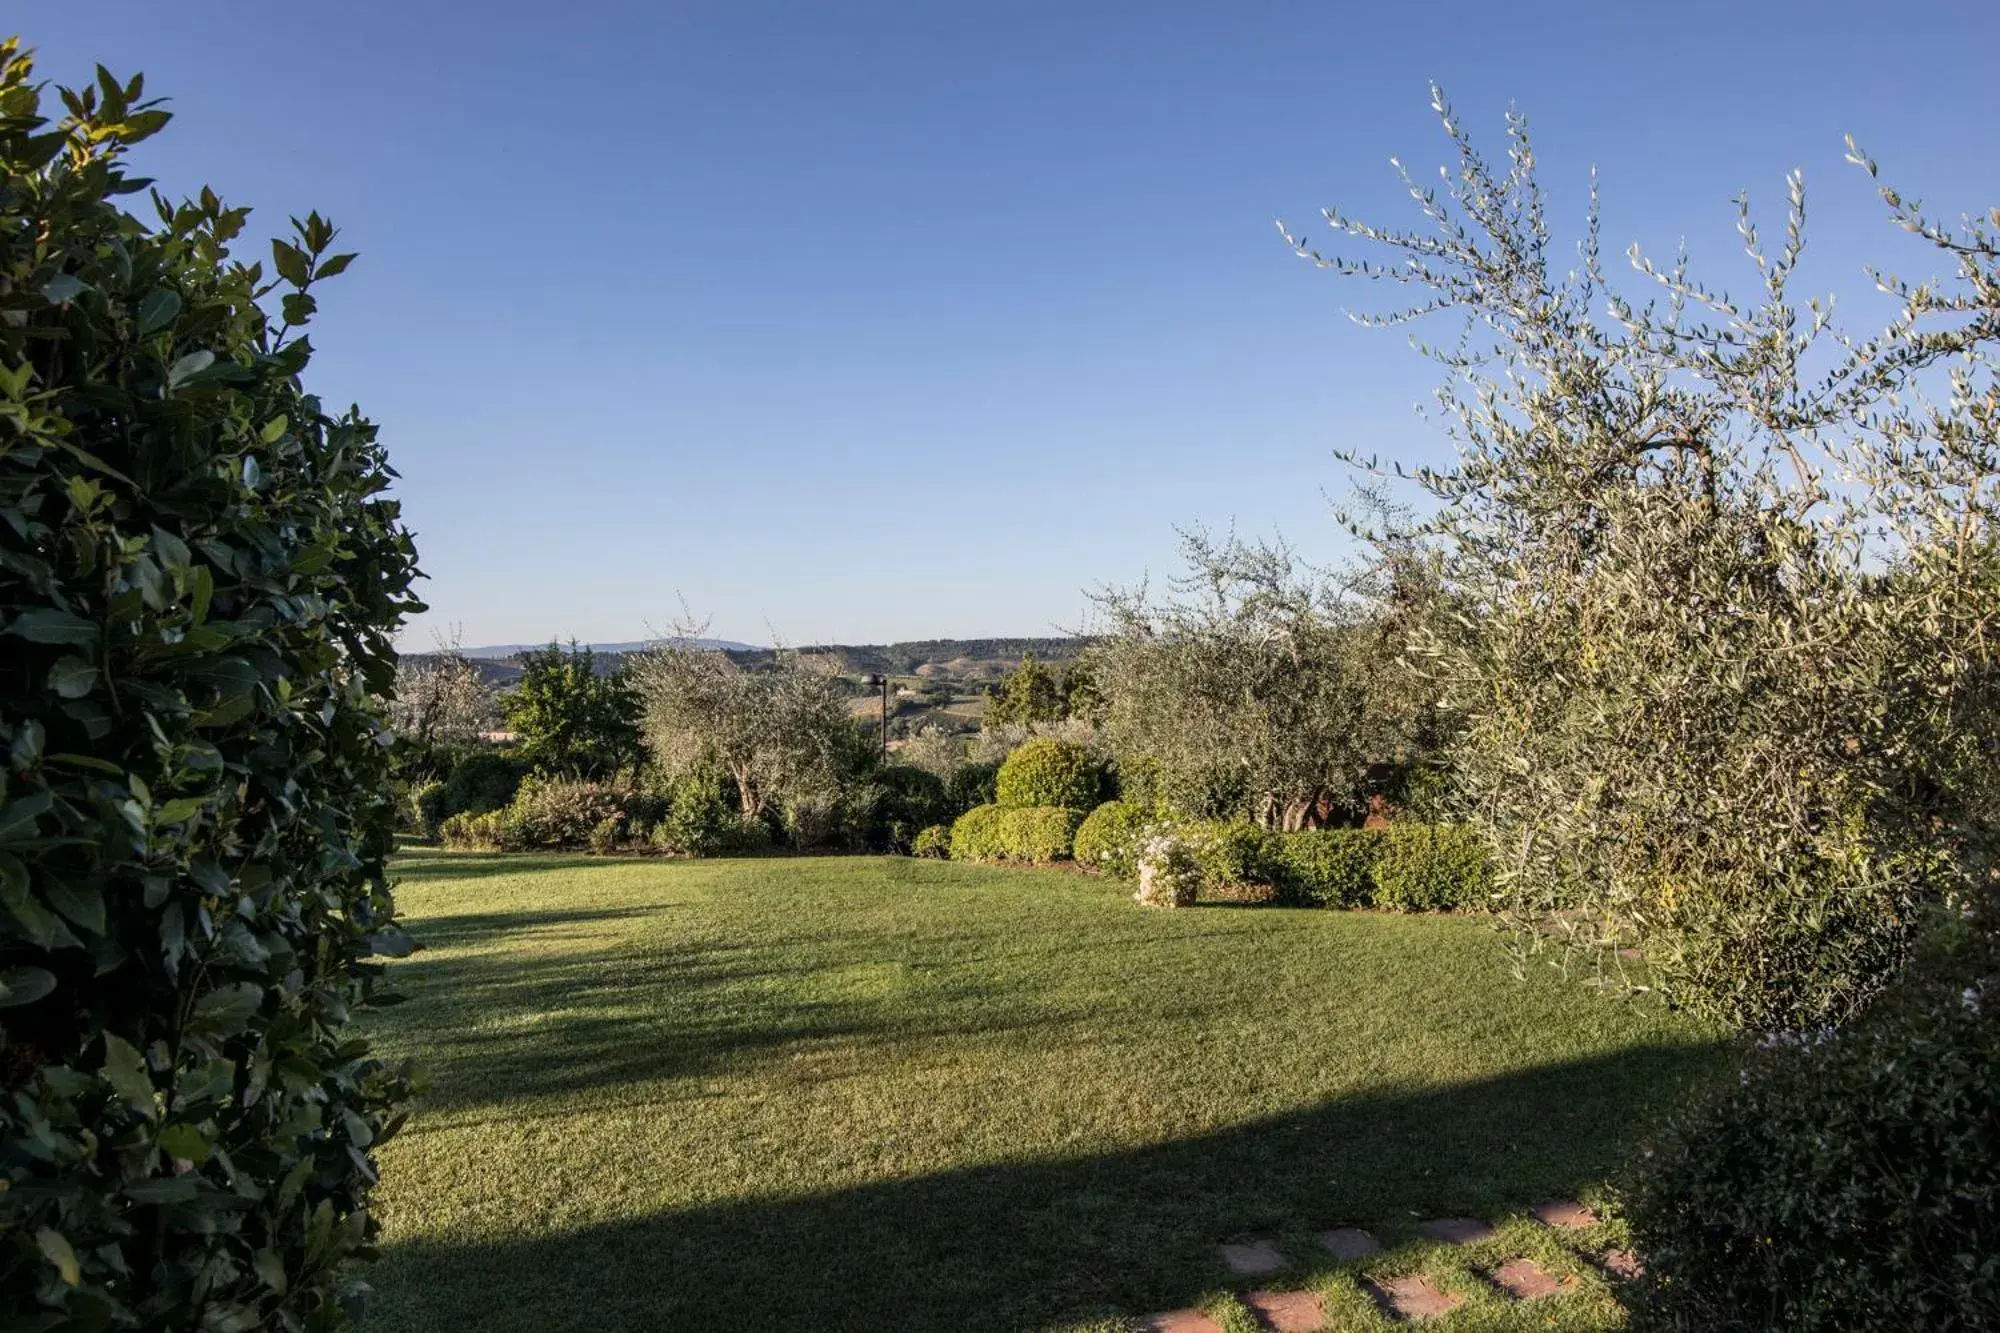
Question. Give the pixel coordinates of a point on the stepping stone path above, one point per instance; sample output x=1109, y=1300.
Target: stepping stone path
x=1285, y=1311
x=1405, y=1298
x=1564, y=1213
x=1457, y=1230
x=1346, y=1243
x=1621, y=1264
x=1252, y=1258
x=1525, y=1280
x=1411, y=1297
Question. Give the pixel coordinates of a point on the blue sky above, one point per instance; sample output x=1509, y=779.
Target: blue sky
x=871, y=321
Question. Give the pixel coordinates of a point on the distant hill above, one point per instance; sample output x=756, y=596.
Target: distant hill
x=636, y=645
x=939, y=682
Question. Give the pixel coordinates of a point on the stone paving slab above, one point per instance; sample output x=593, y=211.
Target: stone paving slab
x=1621, y=1264
x=1410, y=1297
x=1457, y=1230
x=1285, y=1311
x=1349, y=1243
x=1567, y=1213
x=1525, y=1280
x=1181, y=1321
x=1252, y=1258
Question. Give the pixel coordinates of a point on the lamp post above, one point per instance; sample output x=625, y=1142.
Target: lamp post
x=882, y=681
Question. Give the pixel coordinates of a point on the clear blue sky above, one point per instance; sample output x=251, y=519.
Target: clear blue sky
x=872, y=321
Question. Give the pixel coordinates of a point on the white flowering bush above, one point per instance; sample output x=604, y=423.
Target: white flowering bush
x=1169, y=870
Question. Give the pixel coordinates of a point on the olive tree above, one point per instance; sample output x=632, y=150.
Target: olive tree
x=1727, y=596
x=778, y=729
x=441, y=700
x=1242, y=692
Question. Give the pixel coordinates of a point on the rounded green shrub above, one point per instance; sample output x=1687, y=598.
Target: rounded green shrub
x=427, y=809
x=201, y=578
x=1432, y=868
x=934, y=842
x=1107, y=839
x=1039, y=834
x=1851, y=1179
x=975, y=835
x=1330, y=867
x=1045, y=772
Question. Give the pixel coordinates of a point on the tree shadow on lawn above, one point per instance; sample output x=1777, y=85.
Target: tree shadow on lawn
x=1028, y=1244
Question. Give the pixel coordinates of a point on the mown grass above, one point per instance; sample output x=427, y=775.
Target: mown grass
x=882, y=1094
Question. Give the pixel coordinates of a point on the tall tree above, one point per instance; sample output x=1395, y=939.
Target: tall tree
x=1730, y=613
x=569, y=717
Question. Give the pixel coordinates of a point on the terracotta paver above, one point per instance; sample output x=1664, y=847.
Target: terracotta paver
x=1252, y=1258
x=1285, y=1311
x=1349, y=1243
x=1563, y=1213
x=1621, y=1263
x=1181, y=1321
x=1456, y=1230
x=1410, y=1297
x=1525, y=1280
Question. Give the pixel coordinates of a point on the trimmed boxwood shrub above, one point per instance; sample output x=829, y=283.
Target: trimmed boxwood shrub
x=1330, y=867
x=1235, y=856
x=1039, y=833
x=1851, y=1179
x=1107, y=839
x=1431, y=868
x=934, y=841
x=1045, y=772
x=975, y=835
x=201, y=577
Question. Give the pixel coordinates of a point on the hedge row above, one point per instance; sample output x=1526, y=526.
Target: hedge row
x=1404, y=867
x=1040, y=833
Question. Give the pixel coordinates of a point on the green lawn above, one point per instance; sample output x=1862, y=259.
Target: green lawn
x=886, y=1094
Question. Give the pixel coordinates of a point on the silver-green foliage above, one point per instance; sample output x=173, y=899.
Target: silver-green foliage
x=1728, y=653
x=1246, y=691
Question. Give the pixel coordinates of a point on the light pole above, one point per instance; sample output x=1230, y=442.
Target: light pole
x=882, y=681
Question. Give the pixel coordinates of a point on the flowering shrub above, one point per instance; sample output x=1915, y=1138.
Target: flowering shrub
x=1170, y=874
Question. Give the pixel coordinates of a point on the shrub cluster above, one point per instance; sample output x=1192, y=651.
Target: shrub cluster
x=1404, y=867
x=1038, y=834
x=201, y=578
x=1048, y=772
x=934, y=841
x=1852, y=1178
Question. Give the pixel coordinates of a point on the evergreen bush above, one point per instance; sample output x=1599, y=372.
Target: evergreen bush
x=201, y=578
x=1045, y=772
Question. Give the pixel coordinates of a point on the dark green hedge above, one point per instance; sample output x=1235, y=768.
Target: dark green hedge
x=1850, y=1180
x=1330, y=867
x=200, y=578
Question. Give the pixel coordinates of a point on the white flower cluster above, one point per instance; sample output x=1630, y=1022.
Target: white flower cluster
x=1169, y=873
x=1971, y=997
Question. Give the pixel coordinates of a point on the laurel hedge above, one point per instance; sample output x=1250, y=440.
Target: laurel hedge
x=200, y=580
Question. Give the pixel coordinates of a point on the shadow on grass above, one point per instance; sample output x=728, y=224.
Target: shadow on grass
x=1024, y=1245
